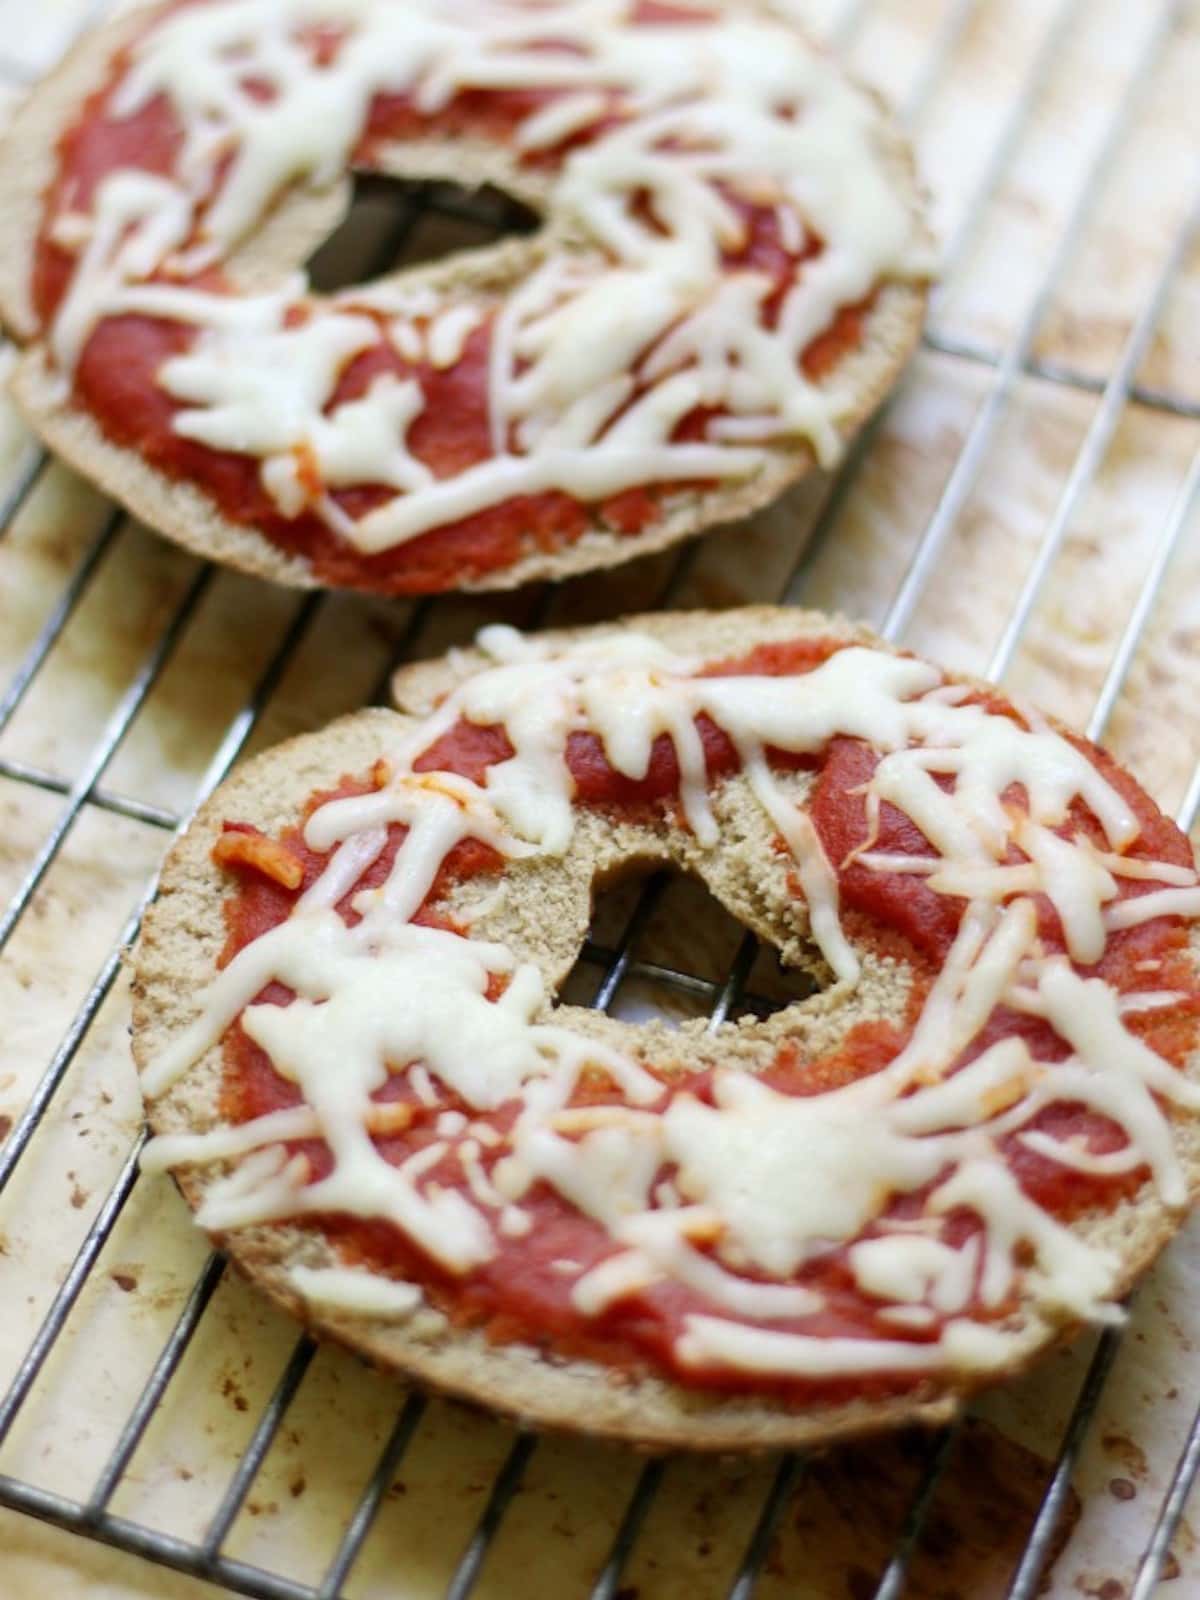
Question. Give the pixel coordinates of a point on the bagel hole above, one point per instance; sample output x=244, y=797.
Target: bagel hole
x=393, y=223
x=682, y=946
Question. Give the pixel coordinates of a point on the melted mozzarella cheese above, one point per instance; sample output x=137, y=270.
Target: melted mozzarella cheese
x=1069, y=1275
x=1124, y=1074
x=902, y=1270
x=355, y=1289
x=137, y=219
x=437, y=816
x=171, y=1150
x=818, y=881
x=606, y=1174
x=1076, y=884
x=1158, y=903
x=963, y=1346
x=788, y=1175
x=660, y=1237
x=614, y=1279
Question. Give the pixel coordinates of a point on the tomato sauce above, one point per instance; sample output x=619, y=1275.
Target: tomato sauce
x=518, y=1295
x=116, y=378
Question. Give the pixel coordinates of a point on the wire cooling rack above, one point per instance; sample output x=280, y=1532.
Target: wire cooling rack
x=614, y=962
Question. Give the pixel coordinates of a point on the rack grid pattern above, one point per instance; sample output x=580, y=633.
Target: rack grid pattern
x=616, y=961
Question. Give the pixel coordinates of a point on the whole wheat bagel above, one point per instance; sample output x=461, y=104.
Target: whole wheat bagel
x=846, y=1216
x=730, y=272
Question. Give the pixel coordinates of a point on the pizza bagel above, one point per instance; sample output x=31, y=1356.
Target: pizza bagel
x=731, y=268
x=961, y=1148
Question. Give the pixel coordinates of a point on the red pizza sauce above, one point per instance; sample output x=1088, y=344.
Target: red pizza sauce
x=116, y=378
x=519, y=1295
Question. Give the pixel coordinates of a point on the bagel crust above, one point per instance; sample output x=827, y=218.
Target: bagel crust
x=844, y=1217
x=731, y=270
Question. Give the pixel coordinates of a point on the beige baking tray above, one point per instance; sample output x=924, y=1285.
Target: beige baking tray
x=1026, y=505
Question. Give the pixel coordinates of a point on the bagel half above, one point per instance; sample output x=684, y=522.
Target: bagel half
x=543, y=918
x=544, y=535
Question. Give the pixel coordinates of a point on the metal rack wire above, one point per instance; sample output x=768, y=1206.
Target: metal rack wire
x=617, y=962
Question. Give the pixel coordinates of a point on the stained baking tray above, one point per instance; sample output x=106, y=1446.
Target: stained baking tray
x=1026, y=507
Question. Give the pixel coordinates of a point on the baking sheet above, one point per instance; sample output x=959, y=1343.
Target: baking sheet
x=836, y=1533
